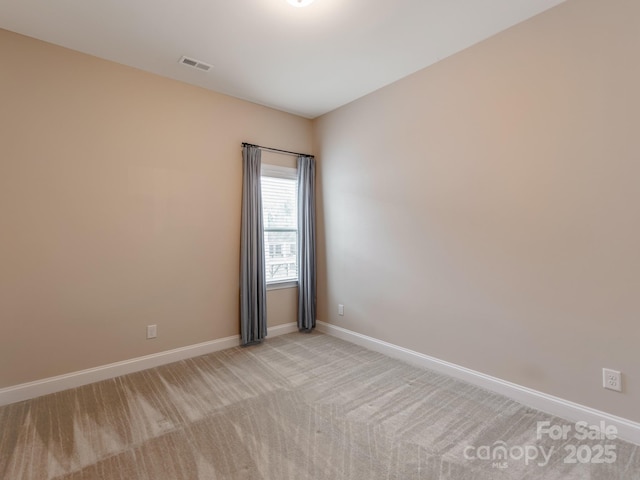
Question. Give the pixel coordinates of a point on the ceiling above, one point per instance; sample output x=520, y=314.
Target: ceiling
x=306, y=61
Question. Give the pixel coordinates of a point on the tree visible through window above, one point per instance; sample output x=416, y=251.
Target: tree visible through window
x=280, y=216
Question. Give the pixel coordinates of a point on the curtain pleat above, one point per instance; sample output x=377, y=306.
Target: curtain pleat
x=306, y=243
x=253, y=289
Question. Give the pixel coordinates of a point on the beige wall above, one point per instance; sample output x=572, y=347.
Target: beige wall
x=486, y=210
x=119, y=207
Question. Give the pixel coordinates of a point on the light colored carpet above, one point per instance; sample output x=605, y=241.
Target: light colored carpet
x=300, y=406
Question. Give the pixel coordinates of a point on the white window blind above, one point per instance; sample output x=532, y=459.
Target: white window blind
x=280, y=216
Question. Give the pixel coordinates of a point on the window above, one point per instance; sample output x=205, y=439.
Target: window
x=280, y=217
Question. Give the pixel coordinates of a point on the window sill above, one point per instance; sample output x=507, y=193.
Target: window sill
x=281, y=285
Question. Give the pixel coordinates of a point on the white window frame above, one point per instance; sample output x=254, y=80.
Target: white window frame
x=289, y=173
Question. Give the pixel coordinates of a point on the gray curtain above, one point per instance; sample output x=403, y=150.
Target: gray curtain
x=253, y=287
x=306, y=243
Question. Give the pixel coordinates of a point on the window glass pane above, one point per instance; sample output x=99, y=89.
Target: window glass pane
x=281, y=256
x=280, y=216
x=279, y=203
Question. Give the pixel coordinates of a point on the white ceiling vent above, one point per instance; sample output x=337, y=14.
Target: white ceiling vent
x=197, y=64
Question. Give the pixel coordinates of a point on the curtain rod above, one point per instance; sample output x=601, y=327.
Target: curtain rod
x=277, y=150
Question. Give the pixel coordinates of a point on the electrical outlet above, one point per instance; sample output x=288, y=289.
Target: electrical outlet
x=152, y=331
x=611, y=379
x=340, y=309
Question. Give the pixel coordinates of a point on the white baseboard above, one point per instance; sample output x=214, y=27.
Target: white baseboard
x=283, y=329
x=627, y=429
x=25, y=391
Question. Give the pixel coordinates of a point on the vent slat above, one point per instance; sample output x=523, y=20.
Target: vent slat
x=193, y=63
